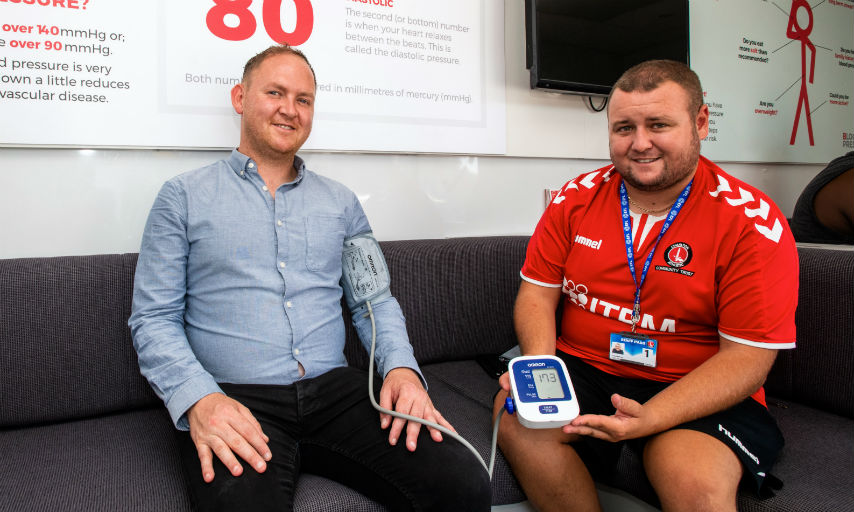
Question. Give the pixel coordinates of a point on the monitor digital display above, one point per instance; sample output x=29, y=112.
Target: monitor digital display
x=547, y=383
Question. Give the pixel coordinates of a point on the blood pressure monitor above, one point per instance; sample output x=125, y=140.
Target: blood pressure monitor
x=542, y=391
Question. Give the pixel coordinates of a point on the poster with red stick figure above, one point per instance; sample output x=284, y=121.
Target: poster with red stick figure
x=778, y=77
x=802, y=34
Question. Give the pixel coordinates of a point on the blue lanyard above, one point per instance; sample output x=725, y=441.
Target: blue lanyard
x=630, y=252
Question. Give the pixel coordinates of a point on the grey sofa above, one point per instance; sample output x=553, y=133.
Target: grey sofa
x=80, y=428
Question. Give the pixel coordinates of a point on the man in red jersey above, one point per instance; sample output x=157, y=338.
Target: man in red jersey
x=678, y=284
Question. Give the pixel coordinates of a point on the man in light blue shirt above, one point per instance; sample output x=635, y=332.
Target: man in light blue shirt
x=237, y=322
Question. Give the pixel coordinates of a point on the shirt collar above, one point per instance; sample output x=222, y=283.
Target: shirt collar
x=299, y=165
x=242, y=165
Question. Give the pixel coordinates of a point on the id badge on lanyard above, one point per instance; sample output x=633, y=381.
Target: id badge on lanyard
x=632, y=347
x=635, y=348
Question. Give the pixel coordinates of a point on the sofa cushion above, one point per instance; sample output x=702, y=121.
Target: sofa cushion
x=66, y=353
x=317, y=494
x=125, y=462
x=820, y=370
x=65, y=348
x=817, y=463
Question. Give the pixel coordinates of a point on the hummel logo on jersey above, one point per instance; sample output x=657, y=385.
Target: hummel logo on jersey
x=773, y=233
x=593, y=244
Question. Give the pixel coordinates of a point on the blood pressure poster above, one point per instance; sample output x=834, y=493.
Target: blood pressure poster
x=393, y=75
x=778, y=78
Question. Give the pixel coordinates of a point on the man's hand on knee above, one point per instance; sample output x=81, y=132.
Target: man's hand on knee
x=402, y=392
x=220, y=425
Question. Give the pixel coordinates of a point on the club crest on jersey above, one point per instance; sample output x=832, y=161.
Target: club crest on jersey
x=677, y=256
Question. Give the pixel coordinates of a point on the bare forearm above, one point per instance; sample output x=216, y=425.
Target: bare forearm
x=534, y=318
x=725, y=379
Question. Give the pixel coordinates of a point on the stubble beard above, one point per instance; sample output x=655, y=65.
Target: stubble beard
x=266, y=148
x=670, y=175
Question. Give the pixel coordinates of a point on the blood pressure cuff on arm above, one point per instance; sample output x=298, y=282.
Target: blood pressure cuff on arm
x=365, y=276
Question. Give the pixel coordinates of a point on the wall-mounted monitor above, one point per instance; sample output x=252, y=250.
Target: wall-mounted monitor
x=583, y=46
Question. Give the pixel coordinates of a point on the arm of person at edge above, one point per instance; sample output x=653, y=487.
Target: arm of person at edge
x=217, y=424
x=735, y=373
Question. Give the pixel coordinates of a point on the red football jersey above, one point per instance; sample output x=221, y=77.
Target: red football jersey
x=726, y=267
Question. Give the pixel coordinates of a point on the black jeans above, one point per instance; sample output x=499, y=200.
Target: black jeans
x=326, y=426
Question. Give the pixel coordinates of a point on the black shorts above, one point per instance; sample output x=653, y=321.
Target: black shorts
x=747, y=428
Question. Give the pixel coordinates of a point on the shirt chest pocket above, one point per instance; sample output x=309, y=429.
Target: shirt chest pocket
x=324, y=243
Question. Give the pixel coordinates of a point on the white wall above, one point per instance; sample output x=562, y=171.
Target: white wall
x=71, y=201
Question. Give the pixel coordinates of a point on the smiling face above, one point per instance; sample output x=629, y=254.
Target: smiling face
x=654, y=136
x=276, y=102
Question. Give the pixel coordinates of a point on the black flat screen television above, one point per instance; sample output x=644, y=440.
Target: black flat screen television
x=583, y=46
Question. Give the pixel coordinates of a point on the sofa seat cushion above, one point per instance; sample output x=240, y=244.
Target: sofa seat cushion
x=123, y=462
x=817, y=463
x=317, y=494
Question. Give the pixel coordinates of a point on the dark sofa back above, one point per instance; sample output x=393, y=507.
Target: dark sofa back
x=457, y=296
x=66, y=352
x=820, y=371
x=65, y=348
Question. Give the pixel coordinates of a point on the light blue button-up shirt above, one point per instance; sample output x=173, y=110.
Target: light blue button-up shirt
x=235, y=286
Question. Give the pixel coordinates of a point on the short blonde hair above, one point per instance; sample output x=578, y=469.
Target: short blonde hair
x=276, y=49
